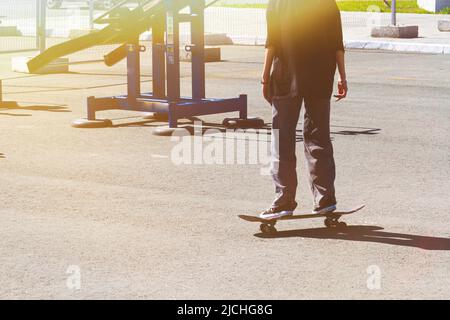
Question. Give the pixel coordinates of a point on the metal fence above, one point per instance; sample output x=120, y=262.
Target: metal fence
x=245, y=20
x=22, y=21
x=18, y=27
x=242, y=20
x=242, y=25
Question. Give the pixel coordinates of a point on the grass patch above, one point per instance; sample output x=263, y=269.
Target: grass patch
x=403, y=6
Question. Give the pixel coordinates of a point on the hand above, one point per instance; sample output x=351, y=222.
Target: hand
x=342, y=89
x=266, y=92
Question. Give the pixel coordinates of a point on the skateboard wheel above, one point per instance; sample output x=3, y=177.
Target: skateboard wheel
x=267, y=229
x=329, y=223
x=342, y=225
x=333, y=223
x=264, y=228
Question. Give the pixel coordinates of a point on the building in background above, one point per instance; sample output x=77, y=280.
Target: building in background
x=433, y=5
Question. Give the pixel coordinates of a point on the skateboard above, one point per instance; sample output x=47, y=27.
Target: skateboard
x=331, y=219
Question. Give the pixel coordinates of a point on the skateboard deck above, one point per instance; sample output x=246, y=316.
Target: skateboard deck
x=331, y=219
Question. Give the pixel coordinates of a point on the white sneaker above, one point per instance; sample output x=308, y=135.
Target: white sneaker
x=272, y=214
x=329, y=209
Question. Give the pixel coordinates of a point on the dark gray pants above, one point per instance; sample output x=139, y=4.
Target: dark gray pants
x=317, y=145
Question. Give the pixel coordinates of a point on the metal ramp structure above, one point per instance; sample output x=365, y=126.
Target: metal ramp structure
x=163, y=18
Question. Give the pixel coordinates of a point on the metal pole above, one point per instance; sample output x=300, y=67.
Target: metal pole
x=198, y=49
x=38, y=22
x=133, y=71
x=159, y=57
x=41, y=32
x=91, y=14
x=172, y=50
x=394, y=13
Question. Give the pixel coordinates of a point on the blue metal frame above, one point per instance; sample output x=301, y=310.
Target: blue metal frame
x=165, y=97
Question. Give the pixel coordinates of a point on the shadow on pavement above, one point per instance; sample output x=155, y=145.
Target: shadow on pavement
x=357, y=132
x=188, y=125
x=48, y=89
x=184, y=124
x=365, y=234
x=37, y=107
x=14, y=115
x=346, y=131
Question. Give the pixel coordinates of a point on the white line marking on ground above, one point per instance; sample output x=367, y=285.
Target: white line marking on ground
x=159, y=156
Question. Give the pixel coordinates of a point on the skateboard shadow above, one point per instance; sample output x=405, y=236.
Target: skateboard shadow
x=365, y=234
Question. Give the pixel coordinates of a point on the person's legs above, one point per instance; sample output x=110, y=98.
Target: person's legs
x=284, y=161
x=319, y=152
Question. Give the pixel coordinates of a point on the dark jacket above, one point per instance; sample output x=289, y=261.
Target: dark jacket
x=306, y=35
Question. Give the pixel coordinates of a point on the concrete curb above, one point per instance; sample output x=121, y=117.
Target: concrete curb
x=444, y=25
x=404, y=32
x=398, y=46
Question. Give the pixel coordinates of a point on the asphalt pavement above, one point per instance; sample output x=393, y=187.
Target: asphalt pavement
x=108, y=213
